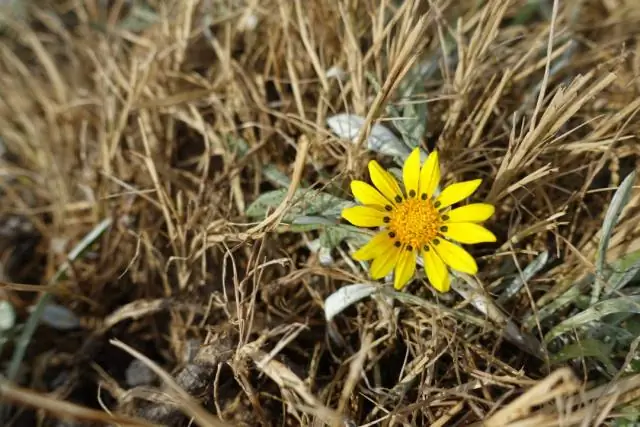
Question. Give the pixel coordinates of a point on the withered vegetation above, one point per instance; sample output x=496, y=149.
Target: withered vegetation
x=169, y=118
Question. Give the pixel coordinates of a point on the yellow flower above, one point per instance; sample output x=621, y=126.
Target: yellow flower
x=415, y=220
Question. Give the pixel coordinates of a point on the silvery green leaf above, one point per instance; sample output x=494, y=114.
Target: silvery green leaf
x=569, y=296
x=312, y=220
x=237, y=144
x=529, y=271
x=22, y=342
x=324, y=256
x=473, y=292
x=337, y=73
x=324, y=253
x=624, y=270
x=619, y=201
x=586, y=348
x=83, y=245
x=7, y=316
x=396, y=172
x=140, y=17
x=59, y=317
x=345, y=297
x=314, y=245
x=332, y=236
x=372, y=79
x=412, y=123
x=607, y=330
x=380, y=139
x=304, y=202
x=626, y=304
x=298, y=228
x=274, y=175
x=335, y=210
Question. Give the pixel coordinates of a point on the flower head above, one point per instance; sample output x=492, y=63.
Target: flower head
x=415, y=220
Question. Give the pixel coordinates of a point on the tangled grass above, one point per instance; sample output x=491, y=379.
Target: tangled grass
x=172, y=177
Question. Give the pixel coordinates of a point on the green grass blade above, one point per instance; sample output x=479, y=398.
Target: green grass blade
x=619, y=201
x=586, y=348
x=624, y=270
x=32, y=323
x=627, y=304
x=529, y=271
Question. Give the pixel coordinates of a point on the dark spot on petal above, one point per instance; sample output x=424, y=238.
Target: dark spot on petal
x=392, y=234
x=444, y=228
x=412, y=193
x=398, y=199
x=424, y=196
x=397, y=244
x=445, y=217
x=426, y=248
x=388, y=208
x=409, y=248
x=386, y=219
x=436, y=241
x=437, y=204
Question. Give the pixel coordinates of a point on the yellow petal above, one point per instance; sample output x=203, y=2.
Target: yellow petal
x=456, y=257
x=364, y=216
x=430, y=174
x=475, y=212
x=404, y=269
x=436, y=270
x=367, y=195
x=385, y=182
x=382, y=265
x=468, y=232
x=411, y=173
x=456, y=192
x=378, y=245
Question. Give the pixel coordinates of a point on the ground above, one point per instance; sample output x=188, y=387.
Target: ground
x=173, y=174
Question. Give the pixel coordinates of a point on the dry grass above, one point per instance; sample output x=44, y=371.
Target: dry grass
x=172, y=127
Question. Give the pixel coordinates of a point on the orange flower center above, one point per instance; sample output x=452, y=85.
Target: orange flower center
x=414, y=222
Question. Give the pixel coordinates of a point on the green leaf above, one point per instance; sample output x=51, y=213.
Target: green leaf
x=313, y=220
x=570, y=295
x=410, y=120
x=270, y=172
x=586, y=348
x=527, y=12
x=304, y=202
x=632, y=325
x=7, y=316
x=332, y=236
x=619, y=201
x=529, y=271
x=274, y=175
x=380, y=139
x=346, y=296
x=38, y=309
x=627, y=304
x=625, y=269
x=140, y=17
x=30, y=326
x=238, y=144
x=610, y=331
x=298, y=228
x=628, y=415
